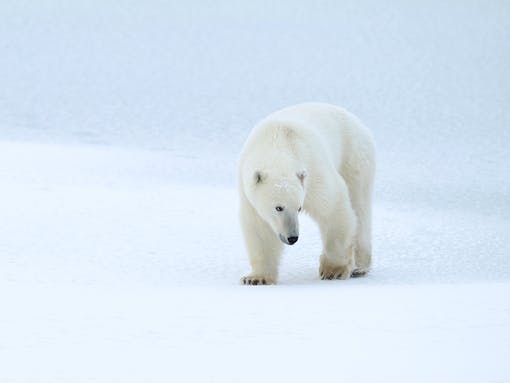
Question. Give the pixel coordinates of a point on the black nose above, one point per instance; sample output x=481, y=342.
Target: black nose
x=292, y=240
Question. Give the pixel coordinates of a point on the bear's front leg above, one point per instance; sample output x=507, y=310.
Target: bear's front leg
x=264, y=255
x=337, y=231
x=263, y=246
x=264, y=260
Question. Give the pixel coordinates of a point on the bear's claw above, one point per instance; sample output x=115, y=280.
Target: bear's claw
x=252, y=280
x=335, y=275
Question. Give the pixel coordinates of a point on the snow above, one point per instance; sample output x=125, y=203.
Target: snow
x=120, y=248
x=286, y=333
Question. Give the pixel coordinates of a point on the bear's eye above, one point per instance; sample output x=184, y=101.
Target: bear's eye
x=279, y=208
x=299, y=210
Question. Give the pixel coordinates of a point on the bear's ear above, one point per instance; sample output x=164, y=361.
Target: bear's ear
x=301, y=175
x=258, y=177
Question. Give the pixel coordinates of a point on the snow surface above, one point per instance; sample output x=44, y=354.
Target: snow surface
x=120, y=248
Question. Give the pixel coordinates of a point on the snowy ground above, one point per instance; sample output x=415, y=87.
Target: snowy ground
x=112, y=272
x=120, y=249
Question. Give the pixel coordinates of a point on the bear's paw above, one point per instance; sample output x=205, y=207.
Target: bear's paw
x=359, y=272
x=328, y=270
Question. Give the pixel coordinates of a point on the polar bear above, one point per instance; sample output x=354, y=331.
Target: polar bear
x=316, y=158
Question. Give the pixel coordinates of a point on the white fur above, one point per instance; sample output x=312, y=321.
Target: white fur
x=319, y=157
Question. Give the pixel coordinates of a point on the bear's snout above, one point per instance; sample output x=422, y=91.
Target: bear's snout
x=292, y=240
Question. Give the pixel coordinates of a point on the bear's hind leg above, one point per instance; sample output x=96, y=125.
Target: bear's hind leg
x=363, y=254
x=359, y=176
x=361, y=199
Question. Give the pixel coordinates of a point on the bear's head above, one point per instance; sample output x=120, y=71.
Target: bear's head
x=278, y=199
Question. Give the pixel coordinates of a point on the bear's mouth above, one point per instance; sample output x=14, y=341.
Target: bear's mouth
x=283, y=239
